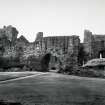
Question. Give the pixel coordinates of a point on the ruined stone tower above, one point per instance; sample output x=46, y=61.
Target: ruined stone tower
x=94, y=44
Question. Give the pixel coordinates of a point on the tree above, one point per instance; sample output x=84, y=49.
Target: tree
x=82, y=56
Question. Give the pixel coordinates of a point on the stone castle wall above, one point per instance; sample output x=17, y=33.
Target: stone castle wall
x=61, y=47
x=94, y=44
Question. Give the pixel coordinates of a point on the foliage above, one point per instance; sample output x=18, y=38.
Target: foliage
x=72, y=69
x=83, y=56
x=33, y=63
x=71, y=62
x=10, y=62
x=69, y=65
x=84, y=72
x=91, y=73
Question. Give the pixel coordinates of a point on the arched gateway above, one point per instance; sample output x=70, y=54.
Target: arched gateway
x=50, y=62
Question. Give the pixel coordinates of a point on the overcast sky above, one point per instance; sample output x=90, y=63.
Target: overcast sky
x=53, y=17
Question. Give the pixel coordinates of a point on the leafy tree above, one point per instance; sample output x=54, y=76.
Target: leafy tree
x=34, y=63
x=82, y=56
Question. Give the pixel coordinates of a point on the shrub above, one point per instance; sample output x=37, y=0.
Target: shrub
x=8, y=63
x=91, y=73
x=34, y=63
x=61, y=70
x=87, y=72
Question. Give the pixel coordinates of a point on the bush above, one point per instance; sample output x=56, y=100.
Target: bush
x=87, y=72
x=8, y=63
x=33, y=63
x=61, y=70
x=91, y=73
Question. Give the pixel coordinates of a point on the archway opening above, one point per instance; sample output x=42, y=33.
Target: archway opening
x=50, y=62
x=101, y=54
x=45, y=62
x=53, y=63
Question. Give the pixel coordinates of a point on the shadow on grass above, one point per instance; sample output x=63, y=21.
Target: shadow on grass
x=9, y=103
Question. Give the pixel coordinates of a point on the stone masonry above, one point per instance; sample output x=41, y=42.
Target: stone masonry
x=94, y=45
x=63, y=49
x=60, y=47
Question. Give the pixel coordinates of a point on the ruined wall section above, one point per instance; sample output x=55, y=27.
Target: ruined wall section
x=56, y=46
x=35, y=48
x=88, y=44
x=11, y=33
x=11, y=46
x=8, y=36
x=10, y=51
x=99, y=44
x=60, y=46
x=73, y=51
x=73, y=44
x=93, y=44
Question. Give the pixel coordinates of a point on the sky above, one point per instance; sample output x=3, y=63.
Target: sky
x=53, y=17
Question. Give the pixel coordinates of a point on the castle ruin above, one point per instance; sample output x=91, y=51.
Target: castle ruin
x=63, y=49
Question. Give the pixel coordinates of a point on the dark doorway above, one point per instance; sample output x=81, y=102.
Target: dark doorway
x=53, y=62
x=45, y=62
x=49, y=62
x=101, y=54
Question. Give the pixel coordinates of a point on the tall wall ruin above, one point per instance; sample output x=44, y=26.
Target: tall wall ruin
x=94, y=44
x=63, y=49
x=59, y=46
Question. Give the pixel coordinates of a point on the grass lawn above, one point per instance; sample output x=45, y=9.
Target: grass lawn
x=55, y=89
x=12, y=75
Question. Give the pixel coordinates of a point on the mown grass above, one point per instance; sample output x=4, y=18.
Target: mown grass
x=12, y=75
x=55, y=89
